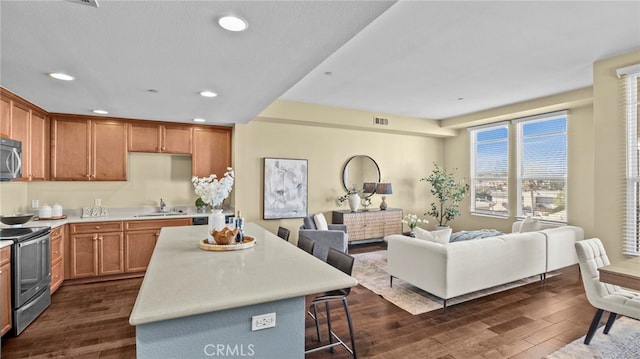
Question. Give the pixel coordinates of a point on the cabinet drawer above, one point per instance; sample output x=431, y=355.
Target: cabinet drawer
x=156, y=224
x=57, y=249
x=94, y=227
x=5, y=255
x=57, y=232
x=57, y=275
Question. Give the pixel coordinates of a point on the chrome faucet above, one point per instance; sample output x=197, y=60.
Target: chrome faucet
x=162, y=205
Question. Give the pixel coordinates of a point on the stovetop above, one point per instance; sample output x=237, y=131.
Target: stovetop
x=20, y=234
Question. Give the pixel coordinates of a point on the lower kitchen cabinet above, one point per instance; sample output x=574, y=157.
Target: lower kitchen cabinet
x=140, y=240
x=57, y=258
x=5, y=286
x=96, y=253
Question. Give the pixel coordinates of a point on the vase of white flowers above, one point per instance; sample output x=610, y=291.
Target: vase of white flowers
x=352, y=197
x=412, y=221
x=213, y=192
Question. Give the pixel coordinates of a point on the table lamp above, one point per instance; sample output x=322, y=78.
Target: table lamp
x=383, y=188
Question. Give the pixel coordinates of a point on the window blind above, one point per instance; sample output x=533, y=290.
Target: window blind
x=629, y=84
x=490, y=169
x=541, y=147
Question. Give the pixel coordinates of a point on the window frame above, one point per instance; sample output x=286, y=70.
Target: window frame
x=473, y=134
x=631, y=228
x=520, y=178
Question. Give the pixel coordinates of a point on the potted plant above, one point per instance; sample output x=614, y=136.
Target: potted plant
x=352, y=197
x=448, y=192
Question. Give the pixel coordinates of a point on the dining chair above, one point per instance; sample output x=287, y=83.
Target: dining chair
x=306, y=244
x=605, y=297
x=344, y=263
x=283, y=233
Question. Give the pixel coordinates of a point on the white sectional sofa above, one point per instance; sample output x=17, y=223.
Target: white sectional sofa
x=453, y=269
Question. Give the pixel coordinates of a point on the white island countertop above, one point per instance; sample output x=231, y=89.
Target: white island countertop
x=183, y=280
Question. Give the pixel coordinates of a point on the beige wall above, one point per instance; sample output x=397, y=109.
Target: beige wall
x=580, y=178
x=609, y=150
x=402, y=159
x=151, y=177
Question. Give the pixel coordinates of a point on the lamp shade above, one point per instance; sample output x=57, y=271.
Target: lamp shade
x=384, y=188
x=368, y=187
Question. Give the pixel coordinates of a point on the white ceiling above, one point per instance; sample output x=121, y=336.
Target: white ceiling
x=412, y=58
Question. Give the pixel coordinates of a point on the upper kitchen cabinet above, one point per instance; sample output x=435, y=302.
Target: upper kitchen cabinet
x=28, y=124
x=159, y=137
x=211, y=151
x=88, y=149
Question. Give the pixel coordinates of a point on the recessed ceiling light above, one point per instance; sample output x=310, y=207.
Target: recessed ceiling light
x=208, y=94
x=233, y=23
x=61, y=76
x=328, y=73
x=460, y=98
x=153, y=90
x=199, y=120
x=100, y=112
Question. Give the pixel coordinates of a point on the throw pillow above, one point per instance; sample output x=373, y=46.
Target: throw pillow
x=423, y=234
x=442, y=235
x=309, y=223
x=321, y=222
x=529, y=225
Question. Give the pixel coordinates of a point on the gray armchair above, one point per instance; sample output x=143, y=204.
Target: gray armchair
x=336, y=237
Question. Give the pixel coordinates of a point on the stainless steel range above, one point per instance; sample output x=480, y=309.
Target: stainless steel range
x=30, y=273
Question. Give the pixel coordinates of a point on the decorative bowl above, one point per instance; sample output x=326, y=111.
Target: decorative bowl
x=225, y=236
x=18, y=218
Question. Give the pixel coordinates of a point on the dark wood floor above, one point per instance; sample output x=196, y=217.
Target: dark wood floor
x=91, y=321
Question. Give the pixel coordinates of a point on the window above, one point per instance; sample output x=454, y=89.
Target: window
x=630, y=84
x=490, y=169
x=542, y=166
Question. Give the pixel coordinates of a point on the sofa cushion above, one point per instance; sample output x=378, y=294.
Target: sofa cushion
x=440, y=236
x=529, y=225
x=321, y=222
x=308, y=222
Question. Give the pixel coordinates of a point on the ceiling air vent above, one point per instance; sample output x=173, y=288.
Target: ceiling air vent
x=93, y=3
x=380, y=121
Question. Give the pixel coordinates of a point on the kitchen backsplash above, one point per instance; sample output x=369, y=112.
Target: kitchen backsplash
x=151, y=177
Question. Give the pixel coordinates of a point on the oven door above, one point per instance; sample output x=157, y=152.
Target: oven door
x=32, y=268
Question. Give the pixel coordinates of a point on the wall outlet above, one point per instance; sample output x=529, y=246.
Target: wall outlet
x=35, y=203
x=97, y=202
x=263, y=321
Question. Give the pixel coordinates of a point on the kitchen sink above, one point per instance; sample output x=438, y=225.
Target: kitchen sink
x=159, y=214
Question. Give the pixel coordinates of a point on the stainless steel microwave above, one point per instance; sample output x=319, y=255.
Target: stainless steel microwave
x=10, y=159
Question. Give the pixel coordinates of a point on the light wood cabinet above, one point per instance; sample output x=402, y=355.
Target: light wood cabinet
x=5, y=289
x=57, y=258
x=161, y=138
x=370, y=225
x=5, y=115
x=88, y=150
x=96, y=249
x=140, y=240
x=24, y=122
x=211, y=151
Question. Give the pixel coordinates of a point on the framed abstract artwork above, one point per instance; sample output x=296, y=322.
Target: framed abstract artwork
x=284, y=188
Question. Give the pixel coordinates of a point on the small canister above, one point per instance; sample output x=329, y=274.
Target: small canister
x=44, y=211
x=56, y=210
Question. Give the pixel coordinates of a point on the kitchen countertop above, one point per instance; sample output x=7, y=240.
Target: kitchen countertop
x=5, y=243
x=183, y=280
x=116, y=214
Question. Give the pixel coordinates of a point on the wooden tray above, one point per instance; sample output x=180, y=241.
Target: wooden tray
x=247, y=242
x=50, y=218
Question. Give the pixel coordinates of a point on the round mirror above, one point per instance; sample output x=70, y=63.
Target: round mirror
x=359, y=170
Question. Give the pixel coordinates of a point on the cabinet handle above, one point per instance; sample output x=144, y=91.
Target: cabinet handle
x=55, y=252
x=163, y=148
x=100, y=238
x=88, y=176
x=97, y=227
x=95, y=237
x=157, y=234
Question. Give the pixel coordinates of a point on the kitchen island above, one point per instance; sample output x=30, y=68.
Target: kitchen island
x=198, y=304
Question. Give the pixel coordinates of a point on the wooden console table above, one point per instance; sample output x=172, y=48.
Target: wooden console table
x=625, y=273
x=371, y=225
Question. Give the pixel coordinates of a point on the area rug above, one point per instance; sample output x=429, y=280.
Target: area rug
x=622, y=342
x=370, y=269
